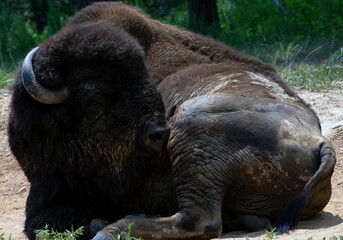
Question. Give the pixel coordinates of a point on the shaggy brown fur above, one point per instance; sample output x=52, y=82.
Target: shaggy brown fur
x=169, y=49
x=81, y=155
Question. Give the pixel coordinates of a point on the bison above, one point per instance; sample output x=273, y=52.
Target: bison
x=121, y=119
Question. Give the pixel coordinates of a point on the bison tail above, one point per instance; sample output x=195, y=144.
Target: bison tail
x=290, y=217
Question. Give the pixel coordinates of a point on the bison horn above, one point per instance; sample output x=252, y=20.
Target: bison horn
x=35, y=89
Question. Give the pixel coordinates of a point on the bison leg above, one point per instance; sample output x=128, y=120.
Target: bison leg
x=156, y=228
x=199, y=217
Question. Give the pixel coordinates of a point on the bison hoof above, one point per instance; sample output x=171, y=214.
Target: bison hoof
x=97, y=224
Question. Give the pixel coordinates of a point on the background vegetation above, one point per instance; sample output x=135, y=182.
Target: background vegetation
x=302, y=38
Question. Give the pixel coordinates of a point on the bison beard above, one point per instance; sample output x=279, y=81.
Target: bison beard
x=118, y=114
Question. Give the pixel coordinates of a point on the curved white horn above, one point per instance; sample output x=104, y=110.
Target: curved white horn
x=35, y=89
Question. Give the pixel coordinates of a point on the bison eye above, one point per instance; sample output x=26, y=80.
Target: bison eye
x=93, y=105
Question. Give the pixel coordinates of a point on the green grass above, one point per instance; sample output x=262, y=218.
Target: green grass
x=2, y=237
x=304, y=64
x=303, y=67
x=50, y=234
x=269, y=235
x=6, y=73
x=6, y=78
x=340, y=237
x=272, y=234
x=307, y=74
x=304, y=43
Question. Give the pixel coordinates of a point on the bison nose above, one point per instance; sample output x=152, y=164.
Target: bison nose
x=153, y=144
x=157, y=138
x=154, y=137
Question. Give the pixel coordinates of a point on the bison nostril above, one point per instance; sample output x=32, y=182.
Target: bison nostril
x=157, y=138
x=158, y=135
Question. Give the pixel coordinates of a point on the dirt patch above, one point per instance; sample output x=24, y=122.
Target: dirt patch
x=13, y=183
x=328, y=105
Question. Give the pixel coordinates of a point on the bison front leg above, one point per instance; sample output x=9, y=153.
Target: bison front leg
x=199, y=181
x=157, y=228
x=199, y=215
x=63, y=206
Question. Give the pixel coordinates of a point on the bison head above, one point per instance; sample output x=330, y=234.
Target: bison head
x=83, y=102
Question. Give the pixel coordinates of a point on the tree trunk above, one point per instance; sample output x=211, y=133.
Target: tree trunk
x=203, y=14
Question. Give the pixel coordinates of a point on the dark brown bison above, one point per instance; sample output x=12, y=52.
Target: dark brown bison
x=91, y=132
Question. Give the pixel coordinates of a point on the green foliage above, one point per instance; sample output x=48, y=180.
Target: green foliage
x=253, y=26
x=168, y=11
x=6, y=78
x=50, y=234
x=264, y=21
x=128, y=237
x=315, y=76
x=301, y=38
x=340, y=237
x=269, y=235
x=15, y=34
x=58, y=14
x=272, y=234
x=19, y=33
x=2, y=237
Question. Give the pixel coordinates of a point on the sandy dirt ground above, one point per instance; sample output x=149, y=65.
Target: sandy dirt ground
x=328, y=105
